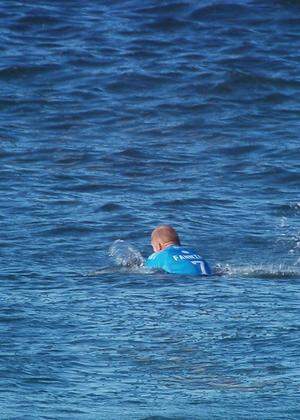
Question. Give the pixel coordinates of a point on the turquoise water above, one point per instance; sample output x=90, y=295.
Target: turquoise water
x=119, y=116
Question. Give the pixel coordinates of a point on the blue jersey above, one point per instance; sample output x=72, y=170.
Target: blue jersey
x=179, y=260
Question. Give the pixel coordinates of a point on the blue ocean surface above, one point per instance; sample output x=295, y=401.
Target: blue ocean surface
x=117, y=116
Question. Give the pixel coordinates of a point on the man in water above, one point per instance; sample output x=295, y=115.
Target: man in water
x=171, y=257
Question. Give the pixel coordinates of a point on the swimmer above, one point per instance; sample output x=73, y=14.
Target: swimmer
x=171, y=257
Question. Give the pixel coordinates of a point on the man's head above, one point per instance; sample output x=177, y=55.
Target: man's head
x=164, y=236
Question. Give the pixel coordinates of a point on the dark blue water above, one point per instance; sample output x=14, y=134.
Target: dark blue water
x=117, y=116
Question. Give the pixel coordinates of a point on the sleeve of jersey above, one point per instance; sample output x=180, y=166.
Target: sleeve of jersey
x=153, y=261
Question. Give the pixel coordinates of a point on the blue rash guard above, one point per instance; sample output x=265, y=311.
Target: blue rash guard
x=179, y=260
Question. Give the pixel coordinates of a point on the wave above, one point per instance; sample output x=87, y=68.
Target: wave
x=126, y=258
x=119, y=269
x=259, y=271
x=219, y=10
x=19, y=71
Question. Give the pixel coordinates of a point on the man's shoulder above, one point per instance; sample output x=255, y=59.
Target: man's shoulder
x=156, y=259
x=157, y=254
x=181, y=249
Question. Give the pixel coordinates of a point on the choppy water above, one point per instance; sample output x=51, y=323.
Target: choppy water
x=117, y=116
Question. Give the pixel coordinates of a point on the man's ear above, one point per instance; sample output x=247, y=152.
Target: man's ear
x=160, y=246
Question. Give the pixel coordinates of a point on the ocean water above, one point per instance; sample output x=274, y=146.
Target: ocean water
x=117, y=116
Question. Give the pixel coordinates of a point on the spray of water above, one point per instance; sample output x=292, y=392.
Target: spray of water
x=124, y=254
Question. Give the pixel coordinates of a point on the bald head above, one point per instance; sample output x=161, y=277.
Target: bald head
x=164, y=236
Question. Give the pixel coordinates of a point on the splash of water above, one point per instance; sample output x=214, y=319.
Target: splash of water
x=125, y=254
x=125, y=259
x=288, y=235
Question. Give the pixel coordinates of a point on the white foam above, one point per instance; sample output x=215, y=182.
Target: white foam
x=270, y=271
